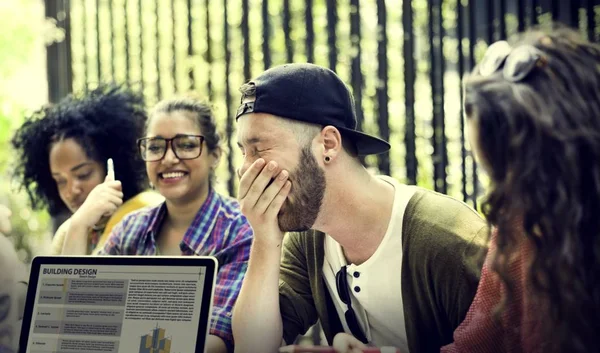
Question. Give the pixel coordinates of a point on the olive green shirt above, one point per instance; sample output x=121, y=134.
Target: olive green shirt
x=441, y=238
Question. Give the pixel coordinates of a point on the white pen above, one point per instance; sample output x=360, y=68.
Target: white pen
x=110, y=169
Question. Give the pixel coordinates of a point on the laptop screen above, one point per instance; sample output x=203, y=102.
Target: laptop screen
x=117, y=308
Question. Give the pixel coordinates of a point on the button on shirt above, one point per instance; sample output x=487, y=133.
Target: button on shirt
x=375, y=288
x=219, y=229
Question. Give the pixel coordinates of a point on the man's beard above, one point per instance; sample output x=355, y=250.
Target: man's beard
x=299, y=213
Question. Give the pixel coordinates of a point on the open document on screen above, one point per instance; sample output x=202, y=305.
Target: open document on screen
x=145, y=309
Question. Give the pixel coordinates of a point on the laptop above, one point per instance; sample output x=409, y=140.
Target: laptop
x=118, y=304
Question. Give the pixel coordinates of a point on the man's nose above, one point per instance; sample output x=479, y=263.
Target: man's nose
x=243, y=168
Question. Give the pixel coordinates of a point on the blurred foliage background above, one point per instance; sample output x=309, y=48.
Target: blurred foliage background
x=166, y=47
x=23, y=87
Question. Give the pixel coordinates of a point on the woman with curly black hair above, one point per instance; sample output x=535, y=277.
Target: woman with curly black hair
x=62, y=157
x=533, y=116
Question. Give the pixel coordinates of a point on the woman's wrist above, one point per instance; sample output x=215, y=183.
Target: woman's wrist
x=78, y=222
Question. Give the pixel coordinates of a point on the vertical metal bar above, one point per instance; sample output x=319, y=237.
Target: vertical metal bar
x=544, y=6
x=310, y=32
x=460, y=34
x=471, y=20
x=502, y=19
x=66, y=24
x=208, y=54
x=141, y=25
x=229, y=128
x=157, y=39
x=382, y=87
x=126, y=34
x=356, y=77
x=491, y=22
x=409, y=91
x=190, y=43
x=355, y=73
x=58, y=54
x=436, y=35
x=86, y=64
x=591, y=25
x=593, y=19
x=472, y=43
x=266, y=32
x=246, y=37
x=529, y=10
x=98, y=50
x=432, y=73
x=112, y=39
x=287, y=31
x=574, y=13
x=332, y=19
x=534, y=12
x=490, y=34
x=520, y=16
x=555, y=9
x=174, y=46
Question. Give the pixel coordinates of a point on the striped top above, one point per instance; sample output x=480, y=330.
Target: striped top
x=219, y=229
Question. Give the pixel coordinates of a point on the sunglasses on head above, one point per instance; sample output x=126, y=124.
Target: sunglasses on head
x=341, y=283
x=516, y=63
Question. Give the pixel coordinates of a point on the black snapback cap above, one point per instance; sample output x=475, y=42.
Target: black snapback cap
x=312, y=94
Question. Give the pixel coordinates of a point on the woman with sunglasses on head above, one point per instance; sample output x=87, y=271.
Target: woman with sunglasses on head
x=533, y=118
x=181, y=150
x=62, y=153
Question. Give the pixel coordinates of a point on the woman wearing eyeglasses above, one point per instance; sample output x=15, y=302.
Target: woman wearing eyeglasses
x=533, y=113
x=181, y=150
x=62, y=154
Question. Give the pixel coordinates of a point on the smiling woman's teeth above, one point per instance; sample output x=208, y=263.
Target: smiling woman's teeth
x=172, y=175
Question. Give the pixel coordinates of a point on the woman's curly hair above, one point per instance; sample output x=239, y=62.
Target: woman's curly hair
x=541, y=140
x=106, y=122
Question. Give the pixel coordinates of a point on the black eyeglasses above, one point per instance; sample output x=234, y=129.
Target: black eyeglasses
x=341, y=283
x=516, y=63
x=154, y=149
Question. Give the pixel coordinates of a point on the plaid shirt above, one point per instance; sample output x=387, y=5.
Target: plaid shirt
x=219, y=229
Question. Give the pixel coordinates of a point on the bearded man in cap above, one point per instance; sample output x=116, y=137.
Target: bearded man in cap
x=375, y=261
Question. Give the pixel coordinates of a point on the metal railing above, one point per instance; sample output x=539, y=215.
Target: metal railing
x=404, y=61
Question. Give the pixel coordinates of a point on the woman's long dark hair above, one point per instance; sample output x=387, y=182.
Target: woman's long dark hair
x=540, y=138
